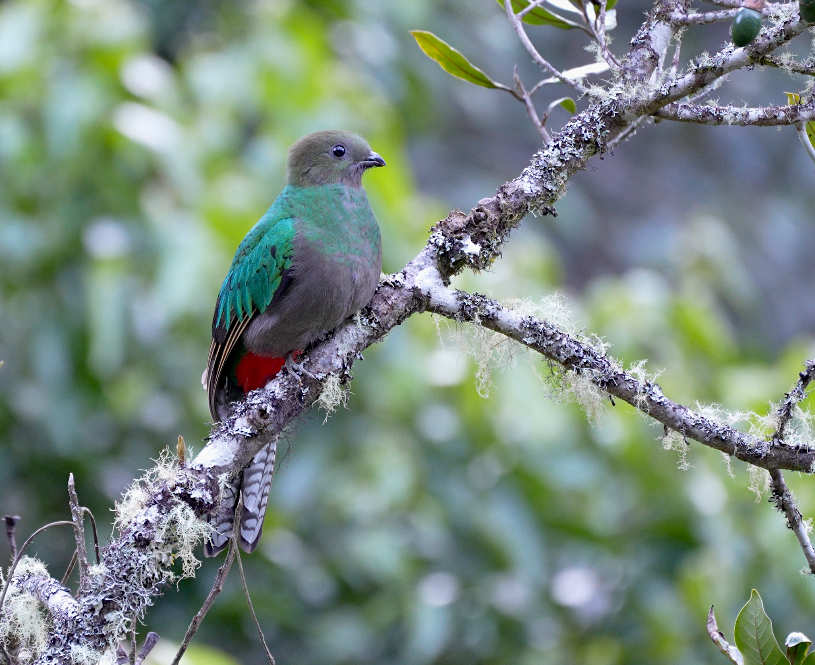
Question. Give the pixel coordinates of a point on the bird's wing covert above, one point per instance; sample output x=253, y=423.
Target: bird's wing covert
x=260, y=264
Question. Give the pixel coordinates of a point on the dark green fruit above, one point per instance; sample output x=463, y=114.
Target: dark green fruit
x=807, y=10
x=746, y=26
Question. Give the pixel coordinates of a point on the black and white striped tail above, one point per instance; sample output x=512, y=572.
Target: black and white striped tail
x=254, y=484
x=257, y=481
x=224, y=519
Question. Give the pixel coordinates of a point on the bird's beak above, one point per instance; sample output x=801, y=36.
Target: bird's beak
x=373, y=160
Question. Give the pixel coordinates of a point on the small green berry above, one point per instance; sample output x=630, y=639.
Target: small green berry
x=746, y=26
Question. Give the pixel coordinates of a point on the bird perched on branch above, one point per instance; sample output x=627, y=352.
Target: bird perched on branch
x=310, y=262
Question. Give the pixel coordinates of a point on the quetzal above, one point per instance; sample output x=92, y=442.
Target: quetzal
x=310, y=262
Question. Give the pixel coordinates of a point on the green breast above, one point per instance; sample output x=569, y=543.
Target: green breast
x=336, y=220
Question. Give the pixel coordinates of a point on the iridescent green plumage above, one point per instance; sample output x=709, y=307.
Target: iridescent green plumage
x=257, y=269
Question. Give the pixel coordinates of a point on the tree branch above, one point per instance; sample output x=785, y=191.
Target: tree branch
x=785, y=502
x=606, y=374
x=806, y=68
x=767, y=116
x=706, y=18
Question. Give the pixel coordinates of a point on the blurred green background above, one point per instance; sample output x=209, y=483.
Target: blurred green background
x=140, y=140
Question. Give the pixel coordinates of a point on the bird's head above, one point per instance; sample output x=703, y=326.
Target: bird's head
x=330, y=157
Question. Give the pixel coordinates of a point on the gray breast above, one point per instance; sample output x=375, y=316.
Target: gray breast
x=324, y=291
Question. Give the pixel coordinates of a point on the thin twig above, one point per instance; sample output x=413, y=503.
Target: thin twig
x=79, y=532
x=731, y=652
x=537, y=57
x=781, y=495
x=675, y=60
x=628, y=131
x=69, y=570
x=252, y=610
x=87, y=511
x=597, y=29
x=149, y=642
x=133, y=635
x=792, y=398
x=785, y=502
x=217, y=587
x=22, y=551
x=529, y=8
x=11, y=525
x=542, y=83
x=530, y=109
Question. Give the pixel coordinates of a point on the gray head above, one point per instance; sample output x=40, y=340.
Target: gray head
x=330, y=157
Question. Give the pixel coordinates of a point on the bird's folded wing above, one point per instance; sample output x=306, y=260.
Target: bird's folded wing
x=262, y=264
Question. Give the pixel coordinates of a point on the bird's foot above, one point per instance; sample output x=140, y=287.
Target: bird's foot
x=295, y=369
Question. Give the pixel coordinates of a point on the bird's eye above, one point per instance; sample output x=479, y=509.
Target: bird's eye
x=338, y=150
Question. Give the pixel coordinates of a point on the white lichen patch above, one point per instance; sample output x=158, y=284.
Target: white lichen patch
x=84, y=655
x=469, y=247
x=494, y=351
x=23, y=624
x=490, y=350
x=644, y=378
x=728, y=464
x=581, y=390
x=135, y=497
x=759, y=481
x=673, y=440
x=182, y=531
x=333, y=395
x=798, y=432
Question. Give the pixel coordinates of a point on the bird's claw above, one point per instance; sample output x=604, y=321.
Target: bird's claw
x=296, y=370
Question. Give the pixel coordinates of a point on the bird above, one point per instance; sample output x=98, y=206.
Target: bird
x=311, y=261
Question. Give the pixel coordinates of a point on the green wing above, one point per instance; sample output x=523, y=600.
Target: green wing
x=255, y=274
x=260, y=270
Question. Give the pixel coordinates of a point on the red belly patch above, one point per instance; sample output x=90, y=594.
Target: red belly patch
x=255, y=371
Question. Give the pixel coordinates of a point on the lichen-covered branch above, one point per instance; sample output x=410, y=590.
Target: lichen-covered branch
x=766, y=116
x=606, y=373
x=704, y=18
x=784, y=501
x=789, y=64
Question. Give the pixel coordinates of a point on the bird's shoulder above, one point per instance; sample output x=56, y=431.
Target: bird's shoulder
x=258, y=266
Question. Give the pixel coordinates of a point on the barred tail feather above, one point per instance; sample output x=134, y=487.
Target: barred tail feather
x=224, y=519
x=257, y=480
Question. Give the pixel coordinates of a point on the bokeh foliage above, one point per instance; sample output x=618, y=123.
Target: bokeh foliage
x=423, y=524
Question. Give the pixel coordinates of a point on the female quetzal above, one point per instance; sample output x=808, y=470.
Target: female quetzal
x=310, y=262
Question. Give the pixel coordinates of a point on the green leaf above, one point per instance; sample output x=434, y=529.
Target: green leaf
x=794, y=98
x=451, y=60
x=566, y=102
x=797, y=646
x=754, y=635
x=810, y=659
x=540, y=16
